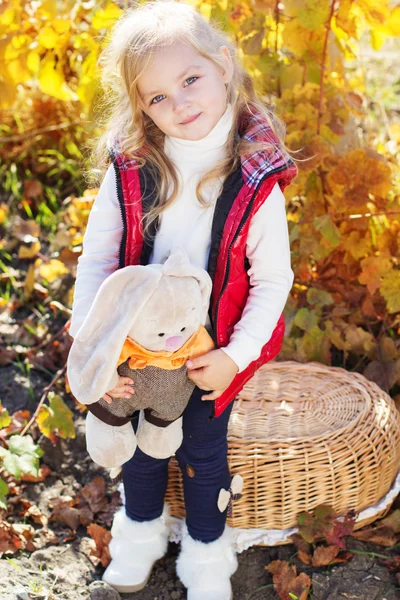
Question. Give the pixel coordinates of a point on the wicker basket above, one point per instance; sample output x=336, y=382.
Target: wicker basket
x=302, y=435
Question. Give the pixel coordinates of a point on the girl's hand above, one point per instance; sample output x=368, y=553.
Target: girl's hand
x=123, y=389
x=212, y=371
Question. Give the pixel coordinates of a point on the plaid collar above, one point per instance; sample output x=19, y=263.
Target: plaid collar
x=254, y=128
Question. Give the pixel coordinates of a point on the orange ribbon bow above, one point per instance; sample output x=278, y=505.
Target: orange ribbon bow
x=198, y=344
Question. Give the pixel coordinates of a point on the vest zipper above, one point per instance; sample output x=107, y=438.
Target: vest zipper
x=121, y=258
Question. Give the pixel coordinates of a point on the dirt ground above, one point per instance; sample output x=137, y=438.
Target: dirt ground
x=62, y=569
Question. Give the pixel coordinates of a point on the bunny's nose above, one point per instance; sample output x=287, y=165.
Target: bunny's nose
x=174, y=342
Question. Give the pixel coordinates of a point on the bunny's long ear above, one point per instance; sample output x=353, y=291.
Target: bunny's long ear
x=179, y=265
x=94, y=354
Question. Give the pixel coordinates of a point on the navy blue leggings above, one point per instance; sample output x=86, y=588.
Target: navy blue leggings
x=202, y=458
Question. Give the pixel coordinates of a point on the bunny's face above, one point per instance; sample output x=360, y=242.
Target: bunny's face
x=171, y=315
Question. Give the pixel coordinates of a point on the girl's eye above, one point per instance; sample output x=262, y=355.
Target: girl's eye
x=155, y=101
x=161, y=334
x=189, y=78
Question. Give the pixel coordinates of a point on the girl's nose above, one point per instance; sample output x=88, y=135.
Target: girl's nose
x=181, y=102
x=174, y=342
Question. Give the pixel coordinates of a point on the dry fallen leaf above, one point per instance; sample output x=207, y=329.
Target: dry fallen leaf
x=95, y=495
x=324, y=555
x=64, y=513
x=286, y=581
x=383, y=536
x=10, y=541
x=102, y=538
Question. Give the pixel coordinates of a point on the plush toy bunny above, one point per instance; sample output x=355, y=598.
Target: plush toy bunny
x=145, y=323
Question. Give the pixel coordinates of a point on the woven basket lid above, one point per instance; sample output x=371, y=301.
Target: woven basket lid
x=301, y=402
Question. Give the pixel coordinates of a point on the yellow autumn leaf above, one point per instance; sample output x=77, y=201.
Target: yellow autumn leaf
x=4, y=210
x=52, y=82
x=377, y=39
x=357, y=244
x=346, y=20
x=7, y=17
x=33, y=61
x=106, y=17
x=313, y=14
x=294, y=38
x=29, y=251
x=61, y=25
x=373, y=268
x=56, y=419
x=390, y=290
x=48, y=38
x=393, y=22
x=359, y=340
x=52, y=270
x=18, y=70
x=29, y=282
x=48, y=9
x=375, y=13
x=361, y=174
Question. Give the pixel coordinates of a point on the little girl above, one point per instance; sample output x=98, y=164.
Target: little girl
x=195, y=162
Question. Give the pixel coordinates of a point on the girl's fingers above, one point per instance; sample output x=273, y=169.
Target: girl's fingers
x=107, y=398
x=213, y=396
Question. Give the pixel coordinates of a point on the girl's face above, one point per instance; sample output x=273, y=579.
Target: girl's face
x=183, y=92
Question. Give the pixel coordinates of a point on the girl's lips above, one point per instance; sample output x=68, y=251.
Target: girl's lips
x=190, y=120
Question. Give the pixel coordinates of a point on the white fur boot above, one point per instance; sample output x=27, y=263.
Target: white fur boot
x=206, y=569
x=134, y=548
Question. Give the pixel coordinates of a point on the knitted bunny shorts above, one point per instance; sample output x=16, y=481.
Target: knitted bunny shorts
x=202, y=458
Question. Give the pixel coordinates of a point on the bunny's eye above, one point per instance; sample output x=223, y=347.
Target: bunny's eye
x=161, y=334
x=183, y=328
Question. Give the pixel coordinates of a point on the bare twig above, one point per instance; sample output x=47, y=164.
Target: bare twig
x=323, y=64
x=352, y=217
x=36, y=132
x=53, y=337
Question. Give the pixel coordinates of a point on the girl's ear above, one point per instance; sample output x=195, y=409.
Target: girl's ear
x=94, y=354
x=228, y=64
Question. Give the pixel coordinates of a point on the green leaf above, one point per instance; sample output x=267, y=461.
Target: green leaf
x=328, y=229
x=16, y=465
x=21, y=456
x=21, y=445
x=316, y=525
x=314, y=14
x=319, y=297
x=3, y=493
x=56, y=419
x=306, y=319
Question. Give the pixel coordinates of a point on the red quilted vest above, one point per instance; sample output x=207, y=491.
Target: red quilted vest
x=243, y=193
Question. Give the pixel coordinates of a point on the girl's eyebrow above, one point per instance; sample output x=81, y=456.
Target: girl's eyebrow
x=177, y=79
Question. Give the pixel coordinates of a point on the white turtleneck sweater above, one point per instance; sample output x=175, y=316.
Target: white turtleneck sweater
x=188, y=224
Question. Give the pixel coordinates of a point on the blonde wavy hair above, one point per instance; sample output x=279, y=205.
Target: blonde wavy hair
x=137, y=36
